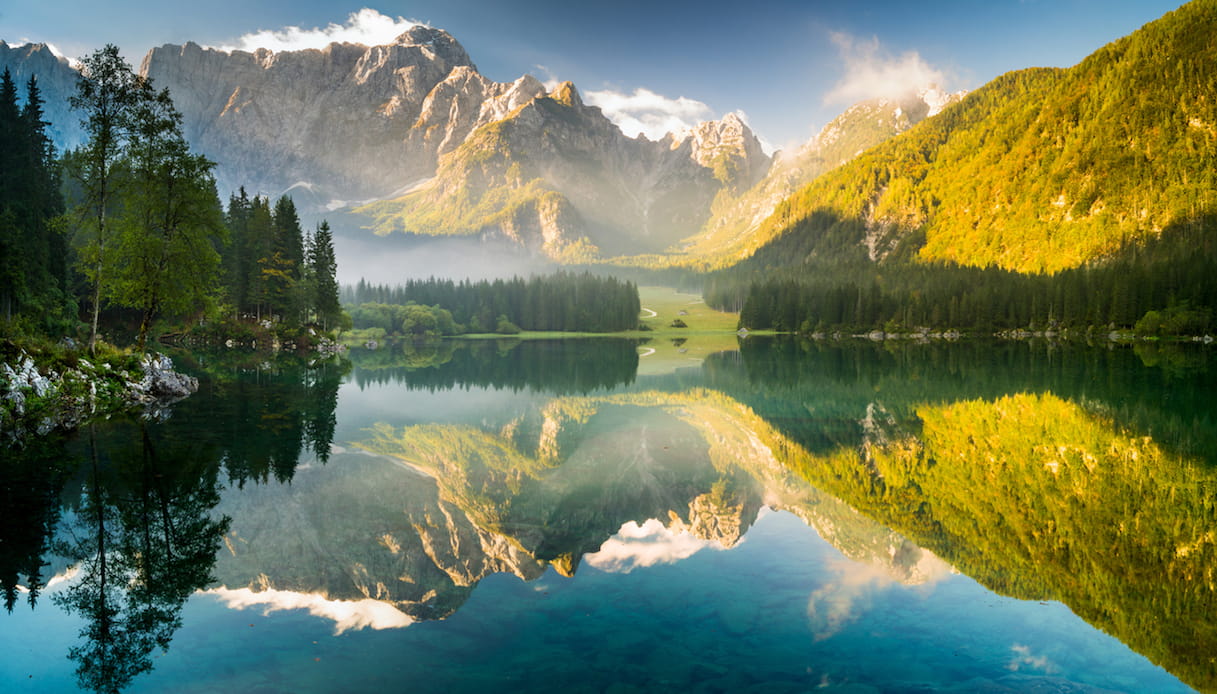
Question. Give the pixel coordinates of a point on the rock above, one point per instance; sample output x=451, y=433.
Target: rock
x=161, y=382
x=56, y=80
x=346, y=122
x=64, y=400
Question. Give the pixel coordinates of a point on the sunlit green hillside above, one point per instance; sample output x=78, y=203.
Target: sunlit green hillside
x=1037, y=171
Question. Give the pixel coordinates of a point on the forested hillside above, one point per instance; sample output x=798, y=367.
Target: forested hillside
x=1037, y=171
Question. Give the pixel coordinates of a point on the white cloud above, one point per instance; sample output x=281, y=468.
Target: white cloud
x=839, y=601
x=871, y=72
x=636, y=546
x=851, y=586
x=366, y=26
x=346, y=614
x=1023, y=658
x=551, y=80
x=648, y=113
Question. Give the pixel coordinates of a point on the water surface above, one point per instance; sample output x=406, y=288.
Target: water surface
x=505, y=516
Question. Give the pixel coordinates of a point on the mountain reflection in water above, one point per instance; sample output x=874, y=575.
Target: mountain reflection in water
x=1070, y=474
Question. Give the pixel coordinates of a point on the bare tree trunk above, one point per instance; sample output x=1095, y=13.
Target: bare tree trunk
x=96, y=308
x=101, y=246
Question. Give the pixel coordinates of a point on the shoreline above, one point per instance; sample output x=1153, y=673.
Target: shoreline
x=39, y=396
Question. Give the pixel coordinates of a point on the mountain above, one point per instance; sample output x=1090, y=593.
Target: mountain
x=736, y=215
x=1037, y=171
x=557, y=176
x=442, y=506
x=346, y=122
x=56, y=81
x=444, y=150
x=453, y=152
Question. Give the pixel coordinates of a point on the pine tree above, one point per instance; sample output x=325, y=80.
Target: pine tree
x=324, y=266
x=257, y=251
x=51, y=267
x=281, y=265
x=12, y=279
x=235, y=256
x=32, y=251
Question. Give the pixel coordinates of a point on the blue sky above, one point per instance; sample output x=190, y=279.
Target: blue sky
x=789, y=65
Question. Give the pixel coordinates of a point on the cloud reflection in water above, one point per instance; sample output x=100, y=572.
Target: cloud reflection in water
x=347, y=615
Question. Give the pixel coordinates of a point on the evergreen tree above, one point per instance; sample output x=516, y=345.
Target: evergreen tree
x=257, y=251
x=32, y=250
x=12, y=279
x=51, y=267
x=235, y=255
x=281, y=266
x=324, y=266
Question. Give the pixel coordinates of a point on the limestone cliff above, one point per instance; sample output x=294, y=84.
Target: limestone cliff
x=346, y=122
x=561, y=179
x=56, y=81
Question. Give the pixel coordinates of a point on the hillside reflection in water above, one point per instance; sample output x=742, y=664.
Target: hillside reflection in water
x=792, y=514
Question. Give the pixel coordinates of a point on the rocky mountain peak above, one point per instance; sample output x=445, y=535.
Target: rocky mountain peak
x=717, y=142
x=936, y=99
x=437, y=41
x=567, y=95
x=57, y=81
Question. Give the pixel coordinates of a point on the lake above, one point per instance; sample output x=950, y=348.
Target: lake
x=789, y=516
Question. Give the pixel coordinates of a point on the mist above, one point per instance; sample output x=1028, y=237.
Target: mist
x=395, y=258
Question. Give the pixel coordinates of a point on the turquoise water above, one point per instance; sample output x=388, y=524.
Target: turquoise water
x=622, y=533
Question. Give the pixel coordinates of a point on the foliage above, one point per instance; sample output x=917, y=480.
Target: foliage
x=1042, y=170
x=107, y=94
x=324, y=266
x=1171, y=275
x=34, y=283
x=562, y=302
x=163, y=259
x=409, y=320
x=273, y=271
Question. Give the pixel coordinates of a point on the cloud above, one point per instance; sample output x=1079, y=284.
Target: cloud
x=839, y=601
x=346, y=614
x=366, y=26
x=850, y=588
x=1023, y=659
x=648, y=113
x=636, y=546
x=551, y=80
x=871, y=72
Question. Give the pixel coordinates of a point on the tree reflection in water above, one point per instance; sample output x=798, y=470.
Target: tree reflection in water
x=143, y=540
x=126, y=508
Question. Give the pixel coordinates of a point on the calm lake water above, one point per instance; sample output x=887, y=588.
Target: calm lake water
x=537, y=516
